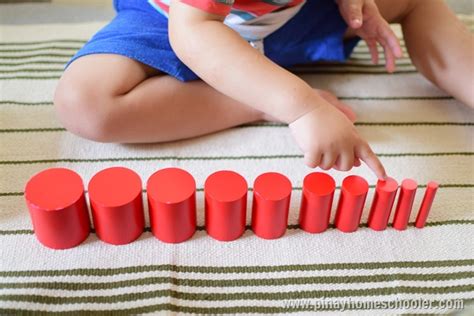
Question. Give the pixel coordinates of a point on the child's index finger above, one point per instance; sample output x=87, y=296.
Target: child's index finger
x=366, y=154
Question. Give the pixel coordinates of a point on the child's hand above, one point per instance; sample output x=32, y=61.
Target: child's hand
x=364, y=18
x=332, y=99
x=328, y=139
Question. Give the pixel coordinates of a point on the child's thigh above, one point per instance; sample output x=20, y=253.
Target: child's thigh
x=104, y=74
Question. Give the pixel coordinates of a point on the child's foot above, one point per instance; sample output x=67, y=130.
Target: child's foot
x=332, y=99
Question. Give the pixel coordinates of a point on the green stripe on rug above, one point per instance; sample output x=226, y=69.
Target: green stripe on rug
x=207, y=158
x=215, y=296
x=52, y=41
x=259, y=125
x=376, y=278
x=391, y=124
x=32, y=70
x=52, y=55
x=31, y=78
x=364, y=98
x=239, y=269
x=36, y=62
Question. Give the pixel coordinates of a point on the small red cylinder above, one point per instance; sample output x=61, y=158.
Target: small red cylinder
x=351, y=203
x=385, y=192
x=426, y=204
x=316, y=202
x=404, y=204
x=56, y=201
x=115, y=196
x=225, y=194
x=271, y=202
x=172, y=204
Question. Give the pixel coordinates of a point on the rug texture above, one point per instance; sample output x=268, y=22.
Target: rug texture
x=417, y=130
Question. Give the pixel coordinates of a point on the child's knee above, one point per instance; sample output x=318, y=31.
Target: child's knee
x=82, y=109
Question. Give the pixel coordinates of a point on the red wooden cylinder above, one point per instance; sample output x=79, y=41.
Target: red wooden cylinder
x=57, y=206
x=171, y=196
x=316, y=202
x=225, y=194
x=351, y=203
x=385, y=192
x=426, y=204
x=271, y=202
x=115, y=196
x=404, y=204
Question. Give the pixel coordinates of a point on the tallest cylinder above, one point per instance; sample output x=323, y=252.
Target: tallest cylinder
x=56, y=201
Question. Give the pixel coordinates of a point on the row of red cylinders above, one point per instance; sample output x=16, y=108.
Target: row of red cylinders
x=58, y=209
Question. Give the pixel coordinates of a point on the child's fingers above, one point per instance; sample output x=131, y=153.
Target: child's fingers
x=328, y=160
x=374, y=52
x=391, y=41
x=365, y=153
x=351, y=10
x=312, y=160
x=337, y=164
x=389, y=57
x=357, y=162
x=345, y=161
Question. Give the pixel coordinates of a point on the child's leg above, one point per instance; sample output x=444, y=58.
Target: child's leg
x=111, y=98
x=440, y=46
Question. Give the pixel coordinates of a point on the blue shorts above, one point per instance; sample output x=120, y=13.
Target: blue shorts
x=140, y=32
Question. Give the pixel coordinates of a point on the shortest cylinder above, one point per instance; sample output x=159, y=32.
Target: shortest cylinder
x=382, y=204
x=351, y=203
x=316, y=202
x=404, y=204
x=426, y=204
x=57, y=205
x=115, y=196
x=271, y=202
x=171, y=196
x=225, y=194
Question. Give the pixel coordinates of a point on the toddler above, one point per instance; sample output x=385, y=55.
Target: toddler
x=136, y=80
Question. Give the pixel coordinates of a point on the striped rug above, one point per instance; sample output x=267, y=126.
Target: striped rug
x=417, y=130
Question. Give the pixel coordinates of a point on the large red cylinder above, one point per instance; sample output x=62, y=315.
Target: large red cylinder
x=271, y=202
x=384, y=196
x=351, y=203
x=316, y=202
x=225, y=194
x=172, y=204
x=115, y=196
x=57, y=205
x=426, y=204
x=404, y=204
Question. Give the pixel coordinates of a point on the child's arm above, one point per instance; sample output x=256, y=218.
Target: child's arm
x=224, y=60
x=229, y=64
